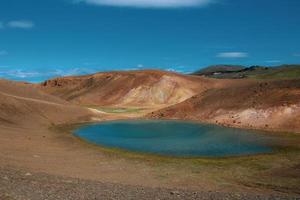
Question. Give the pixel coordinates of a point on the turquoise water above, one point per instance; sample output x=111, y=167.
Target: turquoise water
x=175, y=138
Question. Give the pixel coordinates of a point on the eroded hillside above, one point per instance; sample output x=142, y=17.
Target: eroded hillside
x=148, y=88
x=271, y=105
x=246, y=103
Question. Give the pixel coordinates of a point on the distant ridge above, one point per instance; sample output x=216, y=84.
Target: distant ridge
x=258, y=72
x=210, y=70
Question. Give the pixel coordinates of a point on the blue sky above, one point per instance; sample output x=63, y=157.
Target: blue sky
x=40, y=39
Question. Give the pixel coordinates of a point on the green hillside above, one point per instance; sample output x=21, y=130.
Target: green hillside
x=257, y=72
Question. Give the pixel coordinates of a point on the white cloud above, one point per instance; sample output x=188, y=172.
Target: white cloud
x=297, y=54
x=23, y=24
x=173, y=70
x=19, y=73
x=179, y=69
x=232, y=55
x=149, y=3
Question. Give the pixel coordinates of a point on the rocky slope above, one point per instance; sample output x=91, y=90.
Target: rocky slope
x=246, y=103
x=269, y=105
x=148, y=88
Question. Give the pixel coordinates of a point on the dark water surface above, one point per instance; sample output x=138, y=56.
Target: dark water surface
x=175, y=138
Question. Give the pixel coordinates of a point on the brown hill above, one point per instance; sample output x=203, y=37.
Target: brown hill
x=271, y=105
x=149, y=88
x=24, y=106
x=268, y=104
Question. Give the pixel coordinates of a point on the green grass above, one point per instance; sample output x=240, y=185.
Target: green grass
x=280, y=74
x=117, y=110
x=121, y=110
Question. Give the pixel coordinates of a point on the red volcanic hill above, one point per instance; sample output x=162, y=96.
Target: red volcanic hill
x=149, y=88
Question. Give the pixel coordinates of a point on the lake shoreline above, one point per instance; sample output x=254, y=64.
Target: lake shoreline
x=55, y=151
x=175, y=138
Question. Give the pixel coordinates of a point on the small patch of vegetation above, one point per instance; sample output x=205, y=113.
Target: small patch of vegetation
x=117, y=110
x=281, y=74
x=120, y=110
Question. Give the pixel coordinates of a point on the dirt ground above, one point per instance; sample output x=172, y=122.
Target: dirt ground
x=33, y=155
x=41, y=159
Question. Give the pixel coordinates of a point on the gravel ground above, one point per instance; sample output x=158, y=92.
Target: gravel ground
x=22, y=185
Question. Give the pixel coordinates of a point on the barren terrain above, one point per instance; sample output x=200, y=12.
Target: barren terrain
x=150, y=88
x=41, y=159
x=265, y=105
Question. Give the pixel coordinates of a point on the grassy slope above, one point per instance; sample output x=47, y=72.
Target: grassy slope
x=258, y=72
x=116, y=109
x=280, y=73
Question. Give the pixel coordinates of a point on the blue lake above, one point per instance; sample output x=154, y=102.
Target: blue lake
x=175, y=138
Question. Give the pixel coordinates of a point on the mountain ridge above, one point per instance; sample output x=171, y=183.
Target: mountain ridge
x=285, y=71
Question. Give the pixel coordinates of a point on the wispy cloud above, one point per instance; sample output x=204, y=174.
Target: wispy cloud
x=3, y=53
x=175, y=68
x=296, y=54
x=23, y=24
x=41, y=75
x=74, y=71
x=149, y=3
x=180, y=69
x=232, y=55
x=1, y=25
x=22, y=74
x=140, y=66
